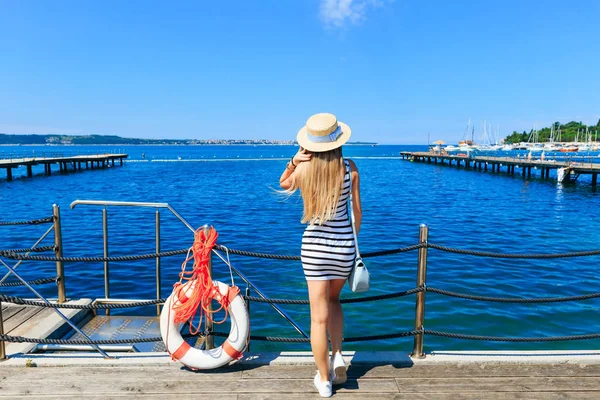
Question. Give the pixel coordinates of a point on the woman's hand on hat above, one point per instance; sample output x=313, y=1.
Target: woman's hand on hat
x=301, y=156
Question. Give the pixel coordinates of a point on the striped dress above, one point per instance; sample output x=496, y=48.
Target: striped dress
x=328, y=249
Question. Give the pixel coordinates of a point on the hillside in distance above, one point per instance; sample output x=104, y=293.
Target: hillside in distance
x=569, y=132
x=117, y=140
x=14, y=139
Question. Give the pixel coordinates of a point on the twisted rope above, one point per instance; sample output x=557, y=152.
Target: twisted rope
x=513, y=299
x=343, y=301
x=32, y=222
x=511, y=339
x=37, y=303
x=16, y=256
x=508, y=255
x=21, y=339
x=35, y=282
x=297, y=258
x=21, y=301
x=30, y=250
x=403, y=334
x=13, y=254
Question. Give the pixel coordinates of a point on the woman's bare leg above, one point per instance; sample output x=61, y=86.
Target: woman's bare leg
x=335, y=325
x=318, y=294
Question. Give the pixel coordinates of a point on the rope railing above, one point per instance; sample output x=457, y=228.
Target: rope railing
x=512, y=299
x=22, y=339
x=40, y=249
x=511, y=339
x=14, y=254
x=402, y=334
x=509, y=255
x=423, y=246
x=31, y=283
x=38, y=303
x=429, y=289
x=30, y=222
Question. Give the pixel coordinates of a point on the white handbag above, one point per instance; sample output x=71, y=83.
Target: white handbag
x=359, y=277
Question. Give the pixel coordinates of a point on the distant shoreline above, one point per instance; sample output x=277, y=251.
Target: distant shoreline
x=12, y=139
x=171, y=144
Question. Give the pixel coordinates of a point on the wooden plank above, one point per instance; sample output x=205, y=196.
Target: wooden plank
x=11, y=311
x=429, y=396
x=430, y=371
x=502, y=384
x=35, y=319
x=167, y=372
x=128, y=396
x=337, y=396
x=48, y=323
x=27, y=314
x=64, y=383
x=247, y=382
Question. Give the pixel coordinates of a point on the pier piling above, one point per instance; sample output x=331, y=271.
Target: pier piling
x=58, y=252
x=2, y=342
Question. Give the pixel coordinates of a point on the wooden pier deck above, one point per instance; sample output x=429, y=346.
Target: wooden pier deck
x=73, y=163
x=450, y=381
x=37, y=322
x=270, y=376
x=495, y=164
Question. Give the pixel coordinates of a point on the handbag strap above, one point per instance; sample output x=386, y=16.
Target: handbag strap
x=352, y=210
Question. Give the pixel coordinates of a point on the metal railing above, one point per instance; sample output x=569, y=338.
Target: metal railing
x=418, y=333
x=58, y=253
x=158, y=206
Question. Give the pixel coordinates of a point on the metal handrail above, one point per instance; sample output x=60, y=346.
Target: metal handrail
x=133, y=204
x=106, y=203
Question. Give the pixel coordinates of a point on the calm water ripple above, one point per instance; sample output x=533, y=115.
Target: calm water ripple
x=463, y=208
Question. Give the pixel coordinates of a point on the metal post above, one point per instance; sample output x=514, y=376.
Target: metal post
x=210, y=340
x=158, y=260
x=2, y=344
x=248, y=308
x=58, y=252
x=106, y=267
x=420, y=301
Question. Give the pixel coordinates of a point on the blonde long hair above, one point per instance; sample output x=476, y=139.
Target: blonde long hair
x=320, y=181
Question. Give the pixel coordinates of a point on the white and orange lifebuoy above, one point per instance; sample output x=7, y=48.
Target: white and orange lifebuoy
x=231, y=349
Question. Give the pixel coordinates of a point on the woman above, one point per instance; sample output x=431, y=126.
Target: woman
x=328, y=248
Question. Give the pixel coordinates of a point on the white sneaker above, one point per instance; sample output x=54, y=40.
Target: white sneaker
x=338, y=369
x=324, y=388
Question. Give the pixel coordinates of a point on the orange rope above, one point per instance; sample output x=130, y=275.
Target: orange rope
x=205, y=291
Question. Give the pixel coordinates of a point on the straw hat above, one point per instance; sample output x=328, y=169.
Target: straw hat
x=323, y=132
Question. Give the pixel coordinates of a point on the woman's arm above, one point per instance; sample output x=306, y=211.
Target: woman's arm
x=285, y=181
x=356, y=204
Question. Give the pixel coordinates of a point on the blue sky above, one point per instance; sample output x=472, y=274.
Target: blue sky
x=393, y=70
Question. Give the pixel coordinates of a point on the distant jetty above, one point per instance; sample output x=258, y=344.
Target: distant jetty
x=74, y=163
x=566, y=170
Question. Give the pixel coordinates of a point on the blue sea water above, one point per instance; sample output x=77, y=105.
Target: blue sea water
x=235, y=188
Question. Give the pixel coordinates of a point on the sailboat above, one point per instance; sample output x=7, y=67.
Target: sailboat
x=535, y=146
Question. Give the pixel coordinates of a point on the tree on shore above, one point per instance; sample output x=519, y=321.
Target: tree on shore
x=569, y=132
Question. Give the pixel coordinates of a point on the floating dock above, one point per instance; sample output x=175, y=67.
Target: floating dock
x=73, y=163
x=570, y=170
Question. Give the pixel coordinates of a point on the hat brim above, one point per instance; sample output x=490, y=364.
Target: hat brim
x=304, y=142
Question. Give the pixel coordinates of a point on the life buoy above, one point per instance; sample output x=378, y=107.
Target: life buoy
x=231, y=349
